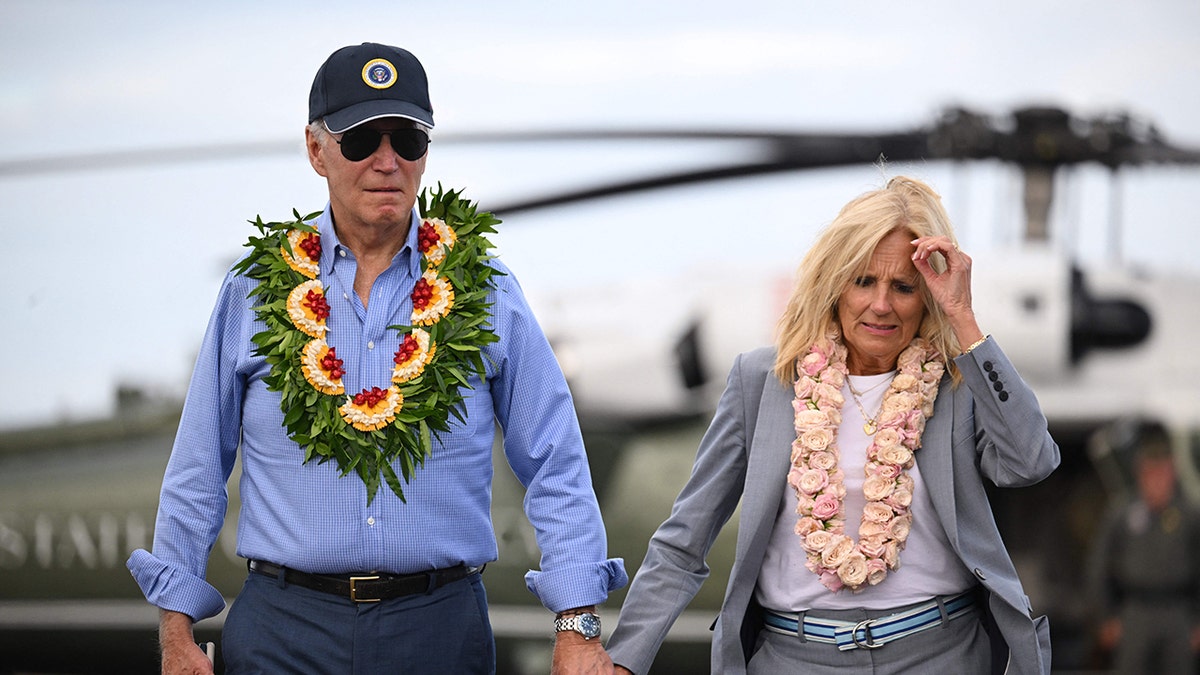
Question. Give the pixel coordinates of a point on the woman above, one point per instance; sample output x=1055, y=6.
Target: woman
x=858, y=453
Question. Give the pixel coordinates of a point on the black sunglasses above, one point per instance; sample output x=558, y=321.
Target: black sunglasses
x=360, y=143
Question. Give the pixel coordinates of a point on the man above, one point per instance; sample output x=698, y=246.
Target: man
x=1144, y=568
x=343, y=577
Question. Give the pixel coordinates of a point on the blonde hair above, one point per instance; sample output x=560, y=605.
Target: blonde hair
x=842, y=253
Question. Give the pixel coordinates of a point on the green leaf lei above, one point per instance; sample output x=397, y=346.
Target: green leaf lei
x=317, y=420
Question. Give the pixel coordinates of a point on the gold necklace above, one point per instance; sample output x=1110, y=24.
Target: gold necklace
x=870, y=424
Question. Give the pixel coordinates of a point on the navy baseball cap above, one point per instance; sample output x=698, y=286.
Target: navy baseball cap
x=360, y=83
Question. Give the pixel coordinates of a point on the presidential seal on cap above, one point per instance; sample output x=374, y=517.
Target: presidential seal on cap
x=364, y=82
x=379, y=73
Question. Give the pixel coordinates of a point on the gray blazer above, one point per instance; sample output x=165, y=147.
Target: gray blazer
x=990, y=426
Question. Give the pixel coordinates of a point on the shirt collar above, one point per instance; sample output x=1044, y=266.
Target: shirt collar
x=330, y=245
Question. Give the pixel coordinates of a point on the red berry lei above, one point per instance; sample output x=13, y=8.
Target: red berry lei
x=389, y=424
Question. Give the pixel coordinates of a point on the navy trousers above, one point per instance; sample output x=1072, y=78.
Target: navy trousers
x=273, y=627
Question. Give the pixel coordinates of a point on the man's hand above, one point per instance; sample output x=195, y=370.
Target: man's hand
x=574, y=655
x=180, y=653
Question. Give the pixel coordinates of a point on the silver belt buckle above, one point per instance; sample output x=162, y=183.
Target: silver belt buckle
x=868, y=642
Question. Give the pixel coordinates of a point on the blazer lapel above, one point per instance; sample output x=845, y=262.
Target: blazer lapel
x=767, y=467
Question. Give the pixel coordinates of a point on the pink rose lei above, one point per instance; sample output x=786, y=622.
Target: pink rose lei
x=819, y=482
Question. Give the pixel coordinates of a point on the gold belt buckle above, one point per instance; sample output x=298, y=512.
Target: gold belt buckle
x=354, y=589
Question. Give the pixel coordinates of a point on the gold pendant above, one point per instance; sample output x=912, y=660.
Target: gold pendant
x=869, y=427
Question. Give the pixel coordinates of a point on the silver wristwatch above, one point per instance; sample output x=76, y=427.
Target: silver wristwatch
x=586, y=624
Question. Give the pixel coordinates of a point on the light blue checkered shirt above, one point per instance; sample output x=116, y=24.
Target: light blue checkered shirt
x=307, y=518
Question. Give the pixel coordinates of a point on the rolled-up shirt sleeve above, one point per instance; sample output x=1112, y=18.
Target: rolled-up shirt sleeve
x=194, y=498
x=545, y=450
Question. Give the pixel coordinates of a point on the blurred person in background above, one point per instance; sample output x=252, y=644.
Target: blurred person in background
x=1145, y=572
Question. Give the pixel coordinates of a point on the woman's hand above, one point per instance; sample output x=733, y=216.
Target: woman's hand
x=951, y=290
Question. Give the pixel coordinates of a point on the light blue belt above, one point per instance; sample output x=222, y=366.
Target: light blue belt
x=873, y=633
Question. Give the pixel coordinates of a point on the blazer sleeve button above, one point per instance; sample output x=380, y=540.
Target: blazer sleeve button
x=979, y=574
x=1003, y=396
x=987, y=365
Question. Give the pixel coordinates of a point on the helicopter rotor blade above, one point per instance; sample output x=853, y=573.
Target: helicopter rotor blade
x=123, y=159
x=777, y=153
x=1040, y=140
x=1029, y=137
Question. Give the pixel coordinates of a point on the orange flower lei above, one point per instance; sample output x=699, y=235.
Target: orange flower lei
x=819, y=482
x=367, y=432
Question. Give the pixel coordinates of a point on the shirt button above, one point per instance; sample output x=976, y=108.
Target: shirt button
x=371, y=520
x=370, y=344
x=342, y=252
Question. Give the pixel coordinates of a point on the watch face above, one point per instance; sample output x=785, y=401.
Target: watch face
x=589, y=625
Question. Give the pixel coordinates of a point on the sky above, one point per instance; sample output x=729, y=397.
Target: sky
x=112, y=271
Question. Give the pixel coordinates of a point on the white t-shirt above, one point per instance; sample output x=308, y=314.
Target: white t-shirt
x=928, y=566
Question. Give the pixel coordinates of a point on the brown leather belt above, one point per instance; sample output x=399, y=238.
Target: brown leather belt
x=366, y=587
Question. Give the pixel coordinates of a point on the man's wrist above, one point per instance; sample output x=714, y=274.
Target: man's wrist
x=174, y=626
x=590, y=609
x=570, y=638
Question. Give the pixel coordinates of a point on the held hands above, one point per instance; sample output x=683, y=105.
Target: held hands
x=951, y=290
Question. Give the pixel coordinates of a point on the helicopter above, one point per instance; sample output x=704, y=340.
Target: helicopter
x=63, y=541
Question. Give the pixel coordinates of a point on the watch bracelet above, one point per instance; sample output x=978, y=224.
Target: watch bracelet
x=570, y=623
